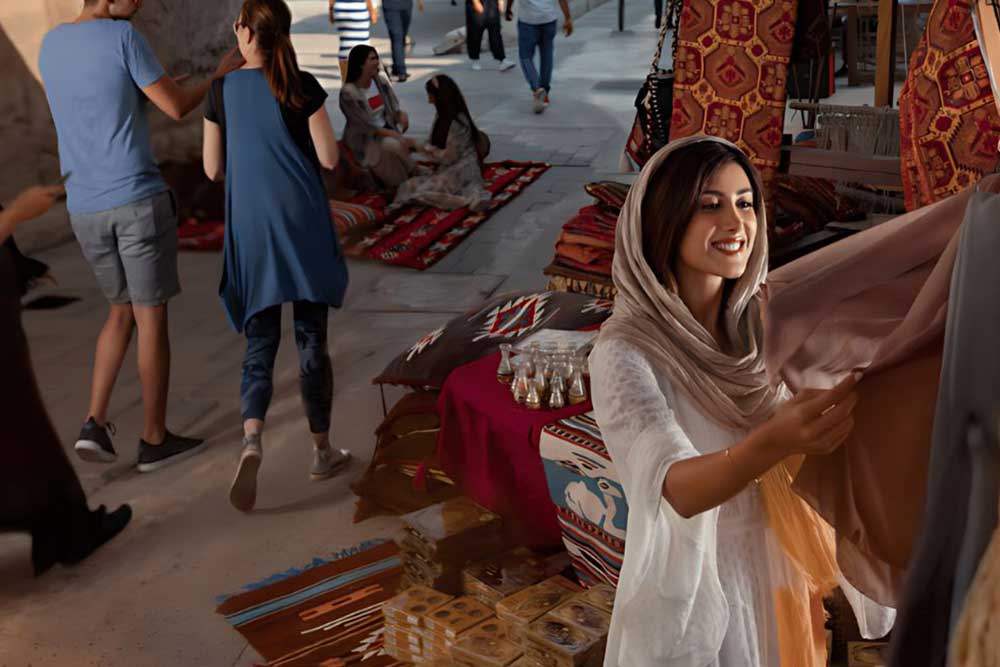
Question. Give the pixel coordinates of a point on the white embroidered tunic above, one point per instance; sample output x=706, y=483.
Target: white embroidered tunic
x=693, y=592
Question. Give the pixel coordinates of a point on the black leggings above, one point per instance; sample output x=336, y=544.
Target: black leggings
x=263, y=333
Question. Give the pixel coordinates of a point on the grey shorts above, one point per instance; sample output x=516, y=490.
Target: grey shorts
x=132, y=250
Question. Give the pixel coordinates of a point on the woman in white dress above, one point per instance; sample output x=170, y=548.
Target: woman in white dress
x=724, y=566
x=456, y=147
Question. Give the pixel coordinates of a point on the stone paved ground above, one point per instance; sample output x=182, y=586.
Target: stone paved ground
x=148, y=598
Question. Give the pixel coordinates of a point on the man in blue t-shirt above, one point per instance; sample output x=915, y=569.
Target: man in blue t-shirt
x=98, y=73
x=536, y=30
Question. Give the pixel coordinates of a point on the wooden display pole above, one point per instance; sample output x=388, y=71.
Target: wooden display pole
x=885, y=53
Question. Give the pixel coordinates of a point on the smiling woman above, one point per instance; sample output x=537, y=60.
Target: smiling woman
x=724, y=566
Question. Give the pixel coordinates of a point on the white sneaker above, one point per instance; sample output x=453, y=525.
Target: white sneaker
x=477, y=66
x=243, y=491
x=506, y=65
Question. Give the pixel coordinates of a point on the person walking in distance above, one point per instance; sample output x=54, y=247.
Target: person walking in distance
x=536, y=31
x=98, y=71
x=398, y=14
x=480, y=16
x=353, y=19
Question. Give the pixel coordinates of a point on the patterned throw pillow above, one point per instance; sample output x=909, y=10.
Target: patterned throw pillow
x=609, y=193
x=350, y=218
x=506, y=318
x=588, y=495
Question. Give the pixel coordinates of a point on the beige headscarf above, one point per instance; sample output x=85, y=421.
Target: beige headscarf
x=731, y=388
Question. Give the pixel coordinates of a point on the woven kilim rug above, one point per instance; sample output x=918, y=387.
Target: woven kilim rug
x=947, y=119
x=326, y=616
x=419, y=236
x=731, y=71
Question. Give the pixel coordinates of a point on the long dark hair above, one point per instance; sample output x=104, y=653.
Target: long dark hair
x=450, y=104
x=271, y=24
x=674, y=194
x=356, y=61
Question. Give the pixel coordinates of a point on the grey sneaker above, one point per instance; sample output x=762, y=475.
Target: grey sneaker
x=243, y=491
x=328, y=461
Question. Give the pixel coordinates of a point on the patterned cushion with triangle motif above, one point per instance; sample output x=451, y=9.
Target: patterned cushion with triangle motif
x=506, y=318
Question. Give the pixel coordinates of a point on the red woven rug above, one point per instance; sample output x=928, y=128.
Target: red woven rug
x=947, y=119
x=419, y=236
x=327, y=616
x=731, y=70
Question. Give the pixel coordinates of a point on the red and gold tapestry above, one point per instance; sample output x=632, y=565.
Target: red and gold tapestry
x=948, y=123
x=730, y=76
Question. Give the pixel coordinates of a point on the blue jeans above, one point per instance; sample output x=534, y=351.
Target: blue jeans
x=263, y=333
x=541, y=37
x=398, y=23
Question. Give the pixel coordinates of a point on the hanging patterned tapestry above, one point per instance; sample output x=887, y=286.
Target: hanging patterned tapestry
x=948, y=123
x=730, y=76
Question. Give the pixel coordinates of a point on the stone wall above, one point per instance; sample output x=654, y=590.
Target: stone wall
x=189, y=36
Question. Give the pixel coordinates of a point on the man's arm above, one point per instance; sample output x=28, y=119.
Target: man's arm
x=178, y=101
x=567, y=17
x=509, y=11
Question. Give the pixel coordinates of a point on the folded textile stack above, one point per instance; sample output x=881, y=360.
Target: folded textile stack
x=438, y=541
x=444, y=625
x=571, y=635
x=496, y=578
x=585, y=248
x=404, y=621
x=526, y=606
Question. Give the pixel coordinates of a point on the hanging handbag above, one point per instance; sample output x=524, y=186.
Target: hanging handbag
x=654, y=102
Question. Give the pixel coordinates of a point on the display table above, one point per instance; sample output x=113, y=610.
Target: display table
x=489, y=446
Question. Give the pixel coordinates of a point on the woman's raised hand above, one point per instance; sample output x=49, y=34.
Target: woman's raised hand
x=815, y=421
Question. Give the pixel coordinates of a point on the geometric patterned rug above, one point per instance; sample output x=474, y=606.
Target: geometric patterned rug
x=326, y=616
x=730, y=77
x=418, y=236
x=948, y=122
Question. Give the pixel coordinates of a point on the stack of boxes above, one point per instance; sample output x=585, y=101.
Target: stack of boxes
x=404, y=621
x=442, y=626
x=512, y=609
x=438, y=541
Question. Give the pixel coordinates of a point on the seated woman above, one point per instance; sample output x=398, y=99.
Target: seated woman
x=458, y=148
x=724, y=565
x=375, y=123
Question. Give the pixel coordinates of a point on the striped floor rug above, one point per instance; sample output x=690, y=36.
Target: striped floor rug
x=329, y=615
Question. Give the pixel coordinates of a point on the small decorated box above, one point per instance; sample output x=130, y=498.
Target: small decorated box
x=456, y=617
x=551, y=642
x=525, y=606
x=478, y=651
x=409, y=607
x=584, y=616
x=601, y=596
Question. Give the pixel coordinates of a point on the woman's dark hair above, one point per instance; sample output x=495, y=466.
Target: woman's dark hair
x=271, y=24
x=356, y=61
x=674, y=195
x=450, y=104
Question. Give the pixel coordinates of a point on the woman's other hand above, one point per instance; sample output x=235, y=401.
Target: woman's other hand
x=815, y=421
x=331, y=16
x=403, y=119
